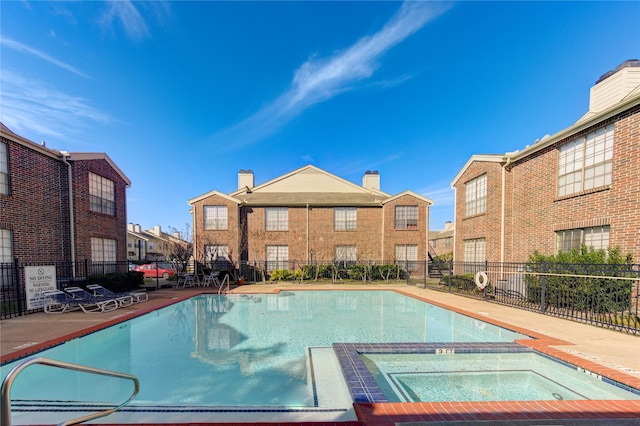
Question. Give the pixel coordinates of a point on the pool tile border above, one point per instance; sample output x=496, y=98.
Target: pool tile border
x=362, y=384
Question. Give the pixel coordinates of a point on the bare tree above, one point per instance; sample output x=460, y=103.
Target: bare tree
x=181, y=247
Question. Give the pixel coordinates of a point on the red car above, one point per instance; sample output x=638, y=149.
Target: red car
x=152, y=270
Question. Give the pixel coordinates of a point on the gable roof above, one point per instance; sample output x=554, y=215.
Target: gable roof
x=410, y=193
x=308, y=179
x=491, y=158
x=59, y=155
x=211, y=194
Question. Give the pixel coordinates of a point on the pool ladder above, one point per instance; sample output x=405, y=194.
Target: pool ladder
x=5, y=410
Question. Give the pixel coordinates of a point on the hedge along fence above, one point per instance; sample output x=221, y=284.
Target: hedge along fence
x=595, y=281
x=342, y=271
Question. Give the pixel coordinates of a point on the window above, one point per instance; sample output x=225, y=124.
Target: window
x=6, y=256
x=447, y=242
x=4, y=169
x=103, y=250
x=6, y=252
x=344, y=218
x=216, y=218
x=586, y=162
x=476, y=196
x=277, y=257
x=407, y=255
x=277, y=218
x=217, y=256
x=597, y=237
x=474, y=250
x=406, y=217
x=102, y=195
x=345, y=254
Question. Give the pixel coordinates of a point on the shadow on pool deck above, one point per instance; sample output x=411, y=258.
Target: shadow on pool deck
x=609, y=353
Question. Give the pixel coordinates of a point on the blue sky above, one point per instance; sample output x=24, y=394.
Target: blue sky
x=182, y=95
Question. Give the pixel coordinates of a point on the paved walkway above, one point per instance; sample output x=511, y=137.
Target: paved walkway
x=610, y=353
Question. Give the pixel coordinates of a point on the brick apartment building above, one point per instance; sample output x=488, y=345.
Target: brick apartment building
x=579, y=186
x=59, y=206
x=310, y=215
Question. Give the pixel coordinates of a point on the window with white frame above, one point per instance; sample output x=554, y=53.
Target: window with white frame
x=6, y=251
x=6, y=256
x=215, y=252
x=4, y=169
x=102, y=194
x=345, y=254
x=474, y=250
x=216, y=218
x=345, y=218
x=596, y=237
x=476, y=196
x=103, y=250
x=406, y=217
x=586, y=162
x=407, y=255
x=277, y=218
x=277, y=257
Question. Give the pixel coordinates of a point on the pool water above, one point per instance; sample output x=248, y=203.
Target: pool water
x=241, y=350
x=485, y=377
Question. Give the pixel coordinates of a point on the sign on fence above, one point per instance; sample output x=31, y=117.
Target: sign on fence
x=38, y=279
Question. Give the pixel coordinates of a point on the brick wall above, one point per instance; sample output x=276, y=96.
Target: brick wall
x=36, y=208
x=533, y=212
x=91, y=224
x=311, y=234
x=484, y=225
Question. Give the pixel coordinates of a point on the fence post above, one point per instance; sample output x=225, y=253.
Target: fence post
x=426, y=272
x=16, y=277
x=543, y=288
x=450, y=274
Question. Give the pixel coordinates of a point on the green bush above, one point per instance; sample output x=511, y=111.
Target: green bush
x=285, y=275
x=587, y=287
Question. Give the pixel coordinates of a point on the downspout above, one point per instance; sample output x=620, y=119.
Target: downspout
x=382, y=259
x=503, y=209
x=72, y=233
x=426, y=246
x=308, y=258
x=502, y=215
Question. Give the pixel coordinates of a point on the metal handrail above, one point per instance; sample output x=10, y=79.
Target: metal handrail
x=5, y=410
x=225, y=279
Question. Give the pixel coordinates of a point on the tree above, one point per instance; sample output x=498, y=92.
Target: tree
x=181, y=247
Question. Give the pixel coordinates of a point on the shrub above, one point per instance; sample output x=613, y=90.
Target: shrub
x=119, y=282
x=582, y=281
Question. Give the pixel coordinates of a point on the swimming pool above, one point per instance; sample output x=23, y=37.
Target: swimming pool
x=267, y=353
x=243, y=350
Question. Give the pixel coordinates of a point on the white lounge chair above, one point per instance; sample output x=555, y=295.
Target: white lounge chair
x=90, y=303
x=58, y=302
x=129, y=297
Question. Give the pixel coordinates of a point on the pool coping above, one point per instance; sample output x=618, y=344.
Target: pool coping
x=390, y=413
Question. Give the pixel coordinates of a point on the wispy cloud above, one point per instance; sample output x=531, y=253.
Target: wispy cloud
x=17, y=46
x=29, y=106
x=318, y=80
x=127, y=13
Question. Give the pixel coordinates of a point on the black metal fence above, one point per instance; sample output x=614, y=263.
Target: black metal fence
x=410, y=272
x=14, y=289
x=606, y=295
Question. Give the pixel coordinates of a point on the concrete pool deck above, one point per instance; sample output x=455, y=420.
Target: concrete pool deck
x=609, y=353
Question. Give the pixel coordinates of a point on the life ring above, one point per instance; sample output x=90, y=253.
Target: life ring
x=481, y=280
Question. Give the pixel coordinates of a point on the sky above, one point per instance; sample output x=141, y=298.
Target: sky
x=182, y=95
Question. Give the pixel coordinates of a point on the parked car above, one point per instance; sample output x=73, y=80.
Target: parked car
x=151, y=270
